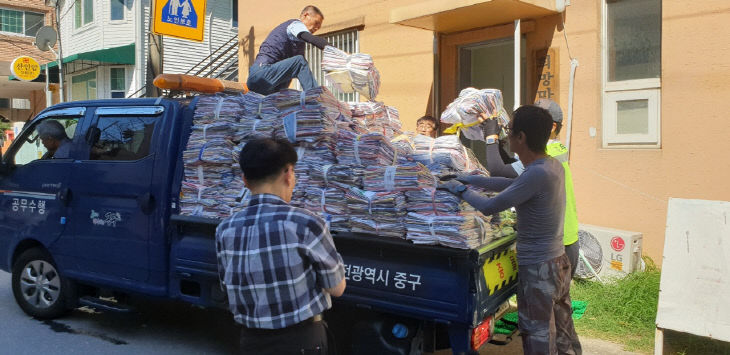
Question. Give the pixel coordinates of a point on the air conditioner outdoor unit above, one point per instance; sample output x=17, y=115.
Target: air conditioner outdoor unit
x=611, y=252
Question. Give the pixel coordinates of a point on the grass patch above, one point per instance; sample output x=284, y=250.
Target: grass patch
x=623, y=311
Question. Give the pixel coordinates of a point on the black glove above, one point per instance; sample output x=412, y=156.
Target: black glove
x=490, y=127
x=452, y=186
x=462, y=178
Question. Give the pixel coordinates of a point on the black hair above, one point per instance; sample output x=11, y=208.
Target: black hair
x=558, y=126
x=265, y=158
x=312, y=10
x=536, y=123
x=429, y=118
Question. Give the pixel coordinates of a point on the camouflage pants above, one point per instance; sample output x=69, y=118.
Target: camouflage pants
x=543, y=303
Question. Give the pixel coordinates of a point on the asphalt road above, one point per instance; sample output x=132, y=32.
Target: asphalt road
x=157, y=328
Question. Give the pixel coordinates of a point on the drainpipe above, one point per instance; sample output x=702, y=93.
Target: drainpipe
x=518, y=59
x=139, y=46
x=210, y=38
x=569, y=125
x=60, y=54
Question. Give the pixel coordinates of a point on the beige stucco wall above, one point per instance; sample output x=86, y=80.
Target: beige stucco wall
x=619, y=188
x=403, y=55
x=629, y=188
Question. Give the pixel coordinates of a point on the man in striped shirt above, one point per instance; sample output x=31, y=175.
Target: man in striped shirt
x=277, y=262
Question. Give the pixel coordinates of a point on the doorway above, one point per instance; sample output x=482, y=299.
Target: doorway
x=490, y=65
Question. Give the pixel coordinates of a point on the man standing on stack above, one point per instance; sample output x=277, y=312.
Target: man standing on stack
x=555, y=149
x=277, y=263
x=281, y=56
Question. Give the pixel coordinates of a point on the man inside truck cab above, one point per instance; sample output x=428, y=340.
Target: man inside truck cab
x=277, y=263
x=54, y=138
x=538, y=194
x=281, y=55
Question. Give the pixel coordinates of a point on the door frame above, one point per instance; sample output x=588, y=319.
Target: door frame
x=448, y=63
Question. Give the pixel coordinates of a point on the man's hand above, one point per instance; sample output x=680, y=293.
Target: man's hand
x=489, y=125
x=462, y=178
x=452, y=186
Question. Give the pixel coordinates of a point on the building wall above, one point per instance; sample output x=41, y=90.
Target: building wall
x=14, y=45
x=629, y=188
x=181, y=55
x=620, y=188
x=403, y=55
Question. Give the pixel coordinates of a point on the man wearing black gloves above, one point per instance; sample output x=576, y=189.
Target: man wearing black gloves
x=538, y=194
x=497, y=167
x=281, y=56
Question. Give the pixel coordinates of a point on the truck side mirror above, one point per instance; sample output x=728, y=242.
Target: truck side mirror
x=93, y=135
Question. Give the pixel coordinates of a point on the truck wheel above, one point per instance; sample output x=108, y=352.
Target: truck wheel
x=38, y=287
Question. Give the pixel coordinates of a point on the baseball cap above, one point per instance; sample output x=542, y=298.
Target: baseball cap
x=552, y=107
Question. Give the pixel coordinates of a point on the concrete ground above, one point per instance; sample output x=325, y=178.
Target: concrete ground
x=158, y=328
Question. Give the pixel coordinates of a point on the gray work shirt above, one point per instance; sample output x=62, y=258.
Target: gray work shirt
x=538, y=194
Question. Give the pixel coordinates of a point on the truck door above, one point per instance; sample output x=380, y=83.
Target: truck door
x=112, y=198
x=34, y=187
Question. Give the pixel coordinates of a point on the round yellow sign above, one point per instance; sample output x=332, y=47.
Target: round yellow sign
x=25, y=68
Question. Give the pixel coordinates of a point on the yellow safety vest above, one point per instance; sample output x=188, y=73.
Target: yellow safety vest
x=570, y=227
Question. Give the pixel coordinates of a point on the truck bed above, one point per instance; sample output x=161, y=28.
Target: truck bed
x=435, y=283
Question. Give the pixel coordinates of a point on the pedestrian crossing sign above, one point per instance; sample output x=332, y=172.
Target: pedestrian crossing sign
x=179, y=18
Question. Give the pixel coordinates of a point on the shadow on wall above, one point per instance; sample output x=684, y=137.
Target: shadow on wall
x=249, y=50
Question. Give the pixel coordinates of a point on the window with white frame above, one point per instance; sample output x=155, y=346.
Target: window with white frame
x=632, y=73
x=117, y=83
x=347, y=41
x=117, y=10
x=21, y=22
x=83, y=86
x=83, y=12
x=234, y=13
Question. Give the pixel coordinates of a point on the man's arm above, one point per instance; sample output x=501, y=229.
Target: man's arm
x=299, y=30
x=517, y=193
x=316, y=41
x=488, y=183
x=220, y=257
x=495, y=164
x=338, y=290
x=327, y=263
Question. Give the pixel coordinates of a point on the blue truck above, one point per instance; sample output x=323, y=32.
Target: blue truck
x=104, y=220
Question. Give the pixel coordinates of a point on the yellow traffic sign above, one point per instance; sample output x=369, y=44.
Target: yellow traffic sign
x=25, y=68
x=179, y=18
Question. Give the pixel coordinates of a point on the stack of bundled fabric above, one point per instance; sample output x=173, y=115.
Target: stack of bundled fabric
x=465, y=230
x=212, y=186
x=349, y=73
x=377, y=117
x=379, y=213
x=319, y=98
x=345, y=175
x=464, y=112
x=364, y=149
x=401, y=177
x=447, y=151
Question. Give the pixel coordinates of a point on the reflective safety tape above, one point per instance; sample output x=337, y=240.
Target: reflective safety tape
x=500, y=270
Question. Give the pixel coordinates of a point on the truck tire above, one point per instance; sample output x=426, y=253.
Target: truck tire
x=38, y=287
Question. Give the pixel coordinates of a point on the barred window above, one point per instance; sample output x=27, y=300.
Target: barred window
x=348, y=41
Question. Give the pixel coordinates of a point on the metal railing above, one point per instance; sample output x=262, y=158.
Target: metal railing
x=221, y=63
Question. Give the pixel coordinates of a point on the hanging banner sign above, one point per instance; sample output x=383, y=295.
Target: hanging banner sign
x=179, y=18
x=25, y=68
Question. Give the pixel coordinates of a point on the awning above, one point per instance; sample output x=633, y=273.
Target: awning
x=462, y=15
x=116, y=55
